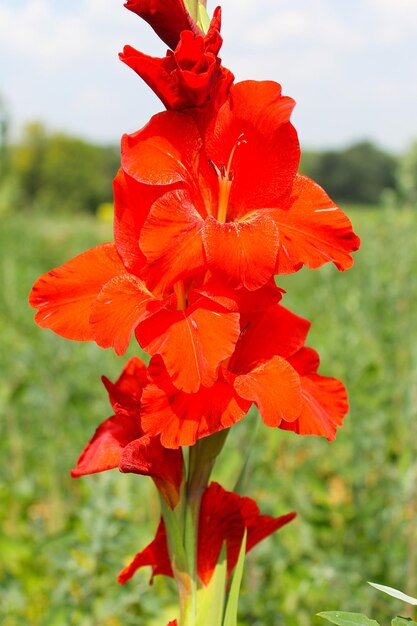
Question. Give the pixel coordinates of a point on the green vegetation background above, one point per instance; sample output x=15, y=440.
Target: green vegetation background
x=63, y=541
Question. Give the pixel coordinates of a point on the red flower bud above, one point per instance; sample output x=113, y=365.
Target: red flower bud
x=190, y=76
x=168, y=18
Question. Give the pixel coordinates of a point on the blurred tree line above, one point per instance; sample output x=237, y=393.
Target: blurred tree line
x=55, y=172
x=360, y=173
x=364, y=174
x=58, y=173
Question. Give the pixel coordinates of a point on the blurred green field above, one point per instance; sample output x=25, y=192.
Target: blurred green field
x=62, y=542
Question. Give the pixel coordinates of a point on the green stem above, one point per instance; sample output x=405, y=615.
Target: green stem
x=182, y=524
x=179, y=563
x=202, y=457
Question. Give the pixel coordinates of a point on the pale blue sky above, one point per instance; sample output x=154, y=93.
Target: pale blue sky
x=351, y=65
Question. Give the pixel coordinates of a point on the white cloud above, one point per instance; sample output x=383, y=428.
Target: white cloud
x=35, y=30
x=393, y=21
x=340, y=60
x=48, y=34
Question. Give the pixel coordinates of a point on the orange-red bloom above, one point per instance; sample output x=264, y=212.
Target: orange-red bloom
x=224, y=516
x=238, y=206
x=192, y=75
x=94, y=298
x=269, y=367
x=209, y=207
x=120, y=441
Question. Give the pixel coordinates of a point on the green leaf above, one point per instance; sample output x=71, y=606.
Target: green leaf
x=192, y=8
x=243, y=475
x=203, y=18
x=210, y=599
x=403, y=621
x=395, y=593
x=174, y=537
x=230, y=618
x=347, y=619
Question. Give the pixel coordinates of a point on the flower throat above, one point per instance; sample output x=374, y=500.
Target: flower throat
x=225, y=177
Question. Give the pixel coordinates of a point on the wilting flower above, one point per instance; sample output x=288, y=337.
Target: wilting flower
x=168, y=18
x=189, y=76
x=224, y=516
x=234, y=203
x=120, y=441
x=269, y=367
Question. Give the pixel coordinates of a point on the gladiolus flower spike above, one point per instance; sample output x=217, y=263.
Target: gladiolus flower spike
x=209, y=208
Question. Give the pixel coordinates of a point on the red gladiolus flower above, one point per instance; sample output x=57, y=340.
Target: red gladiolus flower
x=270, y=367
x=168, y=18
x=93, y=297
x=181, y=418
x=224, y=516
x=209, y=207
x=120, y=441
x=239, y=207
x=191, y=76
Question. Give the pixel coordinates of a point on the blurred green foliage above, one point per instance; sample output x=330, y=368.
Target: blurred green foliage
x=360, y=173
x=63, y=541
x=407, y=177
x=57, y=173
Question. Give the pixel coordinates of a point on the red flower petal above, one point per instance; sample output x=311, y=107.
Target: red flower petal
x=240, y=300
x=148, y=457
x=64, y=295
x=224, y=515
x=118, y=309
x=264, y=168
x=191, y=342
x=274, y=331
x=126, y=392
x=244, y=251
x=275, y=388
x=167, y=18
x=153, y=71
x=220, y=521
x=131, y=207
x=171, y=240
x=258, y=526
x=155, y=554
x=181, y=418
x=324, y=399
x=104, y=449
x=313, y=230
x=158, y=154
x=192, y=76
x=120, y=442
